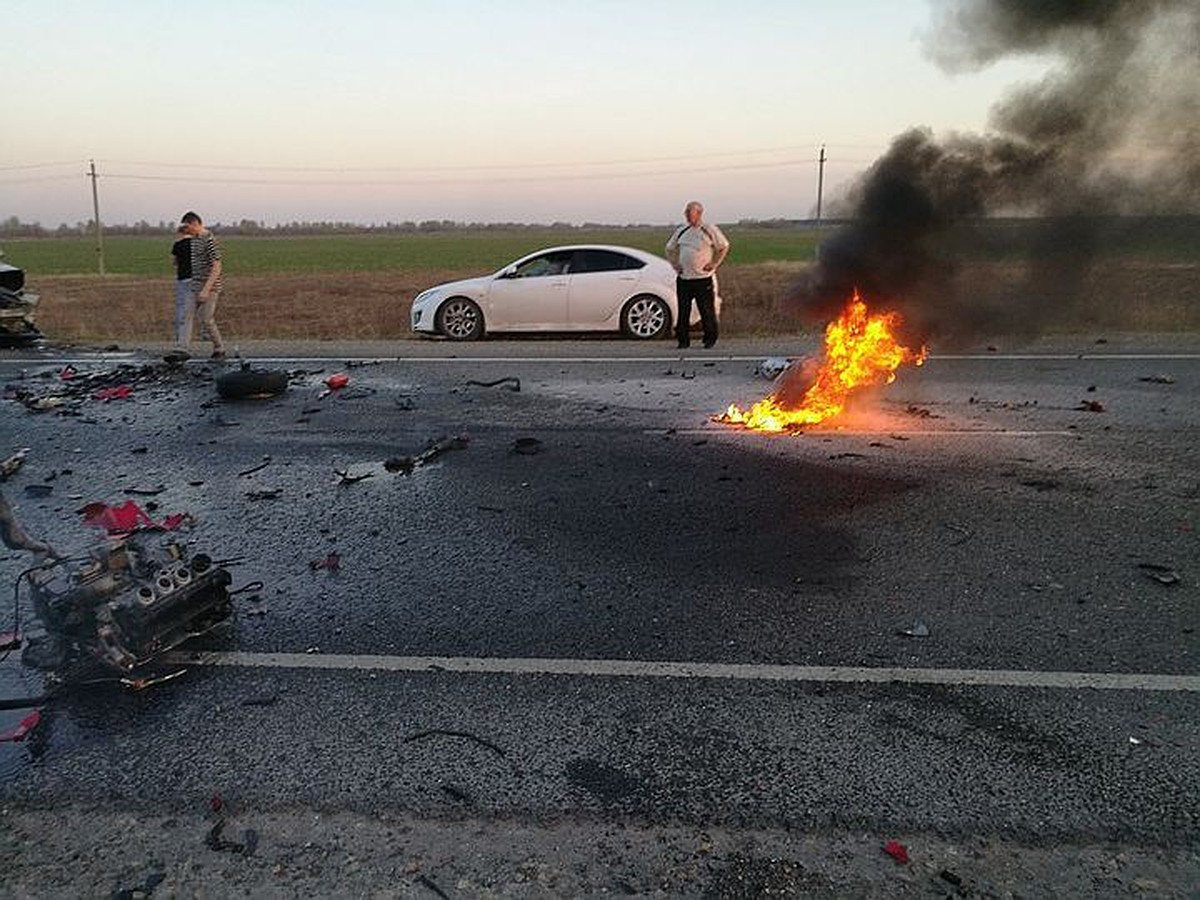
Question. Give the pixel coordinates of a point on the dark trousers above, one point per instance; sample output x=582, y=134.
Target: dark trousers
x=700, y=290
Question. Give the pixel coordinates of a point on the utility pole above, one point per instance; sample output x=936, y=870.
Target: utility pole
x=96, y=215
x=820, y=196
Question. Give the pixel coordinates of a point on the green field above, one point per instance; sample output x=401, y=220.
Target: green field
x=481, y=250
x=1151, y=239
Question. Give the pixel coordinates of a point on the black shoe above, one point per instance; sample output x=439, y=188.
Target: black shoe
x=218, y=354
x=708, y=345
x=684, y=346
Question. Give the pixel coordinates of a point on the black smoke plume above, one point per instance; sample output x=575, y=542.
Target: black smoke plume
x=1113, y=130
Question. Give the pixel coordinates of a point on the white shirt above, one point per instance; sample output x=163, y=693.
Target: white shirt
x=698, y=246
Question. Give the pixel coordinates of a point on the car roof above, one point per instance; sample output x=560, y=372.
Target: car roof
x=628, y=251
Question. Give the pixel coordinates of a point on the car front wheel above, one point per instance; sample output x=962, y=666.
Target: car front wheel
x=645, y=317
x=460, y=319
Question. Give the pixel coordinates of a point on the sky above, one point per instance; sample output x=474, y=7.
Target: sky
x=370, y=111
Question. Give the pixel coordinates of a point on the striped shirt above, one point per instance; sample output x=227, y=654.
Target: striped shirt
x=205, y=253
x=697, y=246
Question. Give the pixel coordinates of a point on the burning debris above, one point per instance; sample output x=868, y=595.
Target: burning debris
x=861, y=350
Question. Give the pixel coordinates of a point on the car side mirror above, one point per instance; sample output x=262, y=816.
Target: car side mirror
x=510, y=272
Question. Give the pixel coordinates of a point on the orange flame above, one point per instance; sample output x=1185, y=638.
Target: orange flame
x=861, y=350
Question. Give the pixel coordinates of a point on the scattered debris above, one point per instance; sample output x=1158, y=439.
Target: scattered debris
x=10, y=466
x=1162, y=574
x=772, y=367
x=402, y=464
x=918, y=629
x=332, y=562
x=334, y=382
x=246, y=383
x=849, y=454
x=510, y=383
x=965, y=534
x=950, y=877
x=896, y=851
x=920, y=412
x=128, y=517
x=142, y=890
x=441, y=732
x=526, y=446
x=246, y=846
x=145, y=492
x=39, y=490
x=1090, y=406
x=270, y=494
x=267, y=698
x=119, y=392
x=344, y=476
x=429, y=883
x=176, y=357
x=24, y=728
x=1158, y=379
x=250, y=471
x=1042, y=484
x=405, y=403
x=405, y=464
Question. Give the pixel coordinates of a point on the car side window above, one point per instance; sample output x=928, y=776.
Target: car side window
x=603, y=261
x=557, y=263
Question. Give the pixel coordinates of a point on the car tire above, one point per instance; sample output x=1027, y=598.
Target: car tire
x=247, y=384
x=460, y=319
x=646, y=318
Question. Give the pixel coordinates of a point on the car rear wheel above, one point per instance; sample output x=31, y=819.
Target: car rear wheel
x=460, y=319
x=645, y=317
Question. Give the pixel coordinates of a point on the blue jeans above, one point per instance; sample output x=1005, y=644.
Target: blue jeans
x=184, y=313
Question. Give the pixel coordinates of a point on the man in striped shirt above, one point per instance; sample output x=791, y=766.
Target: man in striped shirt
x=696, y=250
x=206, y=280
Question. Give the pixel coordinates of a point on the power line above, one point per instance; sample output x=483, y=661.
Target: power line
x=47, y=165
x=487, y=167
x=525, y=179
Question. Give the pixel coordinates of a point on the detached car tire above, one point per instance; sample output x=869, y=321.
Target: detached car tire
x=249, y=384
x=460, y=319
x=646, y=318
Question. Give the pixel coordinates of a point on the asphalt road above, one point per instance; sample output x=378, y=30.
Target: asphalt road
x=1016, y=503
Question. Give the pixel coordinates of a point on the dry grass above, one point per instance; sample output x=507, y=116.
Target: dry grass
x=375, y=305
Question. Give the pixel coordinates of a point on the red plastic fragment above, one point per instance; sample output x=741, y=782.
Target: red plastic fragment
x=336, y=381
x=24, y=727
x=120, y=392
x=215, y=803
x=127, y=517
x=67, y=372
x=332, y=562
x=896, y=851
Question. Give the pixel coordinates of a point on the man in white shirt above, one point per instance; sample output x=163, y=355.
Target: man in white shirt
x=696, y=250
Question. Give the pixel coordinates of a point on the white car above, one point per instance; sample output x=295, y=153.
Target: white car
x=592, y=287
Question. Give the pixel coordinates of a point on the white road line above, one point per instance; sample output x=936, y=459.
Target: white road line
x=717, y=429
x=559, y=360
x=621, y=668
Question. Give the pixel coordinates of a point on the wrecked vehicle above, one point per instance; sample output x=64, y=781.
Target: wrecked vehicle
x=18, y=309
x=126, y=603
